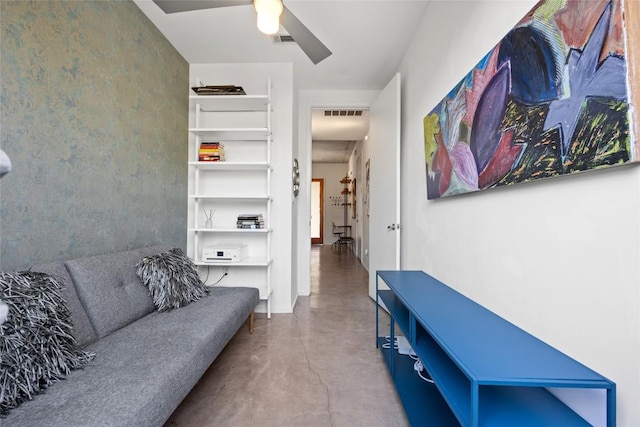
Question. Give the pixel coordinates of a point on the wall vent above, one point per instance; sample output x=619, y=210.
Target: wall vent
x=343, y=113
x=284, y=38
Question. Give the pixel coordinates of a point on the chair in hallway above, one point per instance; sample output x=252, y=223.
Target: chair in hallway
x=344, y=240
x=338, y=232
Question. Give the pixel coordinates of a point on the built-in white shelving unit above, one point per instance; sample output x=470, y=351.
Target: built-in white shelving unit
x=241, y=184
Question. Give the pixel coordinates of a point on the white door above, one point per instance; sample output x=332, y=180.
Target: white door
x=384, y=221
x=317, y=211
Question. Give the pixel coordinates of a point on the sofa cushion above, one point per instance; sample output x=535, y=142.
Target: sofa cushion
x=172, y=279
x=143, y=371
x=109, y=289
x=37, y=348
x=82, y=329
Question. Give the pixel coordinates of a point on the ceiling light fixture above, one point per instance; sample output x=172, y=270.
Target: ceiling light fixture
x=268, y=12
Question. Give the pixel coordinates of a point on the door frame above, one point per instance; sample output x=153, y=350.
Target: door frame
x=320, y=240
x=308, y=100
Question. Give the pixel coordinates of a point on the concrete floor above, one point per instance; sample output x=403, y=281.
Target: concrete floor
x=316, y=367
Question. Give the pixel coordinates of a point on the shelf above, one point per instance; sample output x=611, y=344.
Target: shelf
x=231, y=166
x=249, y=262
x=231, y=230
x=258, y=198
x=232, y=134
x=226, y=103
x=242, y=183
x=422, y=402
x=525, y=406
x=452, y=383
x=397, y=310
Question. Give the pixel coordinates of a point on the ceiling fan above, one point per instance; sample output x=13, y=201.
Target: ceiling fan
x=271, y=13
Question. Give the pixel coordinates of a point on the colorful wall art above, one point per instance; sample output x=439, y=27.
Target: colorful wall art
x=552, y=98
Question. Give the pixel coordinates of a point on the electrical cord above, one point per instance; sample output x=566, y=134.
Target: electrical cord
x=417, y=366
x=419, y=369
x=217, y=281
x=388, y=343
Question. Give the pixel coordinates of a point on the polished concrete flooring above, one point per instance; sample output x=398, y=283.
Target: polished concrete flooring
x=316, y=367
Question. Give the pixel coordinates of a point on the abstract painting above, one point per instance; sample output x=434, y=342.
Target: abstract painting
x=551, y=98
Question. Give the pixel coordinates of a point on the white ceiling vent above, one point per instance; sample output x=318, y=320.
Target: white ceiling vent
x=343, y=113
x=284, y=38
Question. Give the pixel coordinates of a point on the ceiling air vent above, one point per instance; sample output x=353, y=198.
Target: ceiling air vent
x=342, y=113
x=285, y=38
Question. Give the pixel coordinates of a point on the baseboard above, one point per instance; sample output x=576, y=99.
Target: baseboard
x=262, y=309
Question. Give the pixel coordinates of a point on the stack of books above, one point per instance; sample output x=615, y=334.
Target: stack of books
x=250, y=221
x=211, y=152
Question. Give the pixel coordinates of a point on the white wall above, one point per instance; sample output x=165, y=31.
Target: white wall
x=253, y=78
x=559, y=258
x=332, y=173
x=294, y=204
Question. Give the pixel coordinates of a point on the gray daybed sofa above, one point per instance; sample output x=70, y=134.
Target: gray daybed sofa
x=146, y=361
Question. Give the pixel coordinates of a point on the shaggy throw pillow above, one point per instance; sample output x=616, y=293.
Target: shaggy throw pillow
x=172, y=279
x=37, y=347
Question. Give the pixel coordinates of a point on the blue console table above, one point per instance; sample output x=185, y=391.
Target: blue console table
x=487, y=371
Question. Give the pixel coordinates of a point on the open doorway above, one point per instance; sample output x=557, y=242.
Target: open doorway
x=338, y=136
x=309, y=104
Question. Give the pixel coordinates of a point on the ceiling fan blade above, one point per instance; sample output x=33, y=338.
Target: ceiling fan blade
x=315, y=50
x=173, y=6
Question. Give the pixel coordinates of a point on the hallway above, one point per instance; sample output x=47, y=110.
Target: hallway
x=317, y=367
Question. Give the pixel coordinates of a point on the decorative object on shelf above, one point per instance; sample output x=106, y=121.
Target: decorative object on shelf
x=219, y=90
x=208, y=223
x=296, y=178
x=552, y=98
x=211, y=151
x=345, y=193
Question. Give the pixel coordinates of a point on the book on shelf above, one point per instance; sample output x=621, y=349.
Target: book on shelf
x=250, y=221
x=219, y=90
x=211, y=151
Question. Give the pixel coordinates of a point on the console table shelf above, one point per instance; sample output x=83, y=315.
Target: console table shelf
x=418, y=396
x=487, y=371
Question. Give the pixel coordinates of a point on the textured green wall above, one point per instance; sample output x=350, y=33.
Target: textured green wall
x=94, y=118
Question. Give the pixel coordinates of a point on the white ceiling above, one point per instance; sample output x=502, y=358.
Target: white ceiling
x=367, y=37
x=334, y=136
